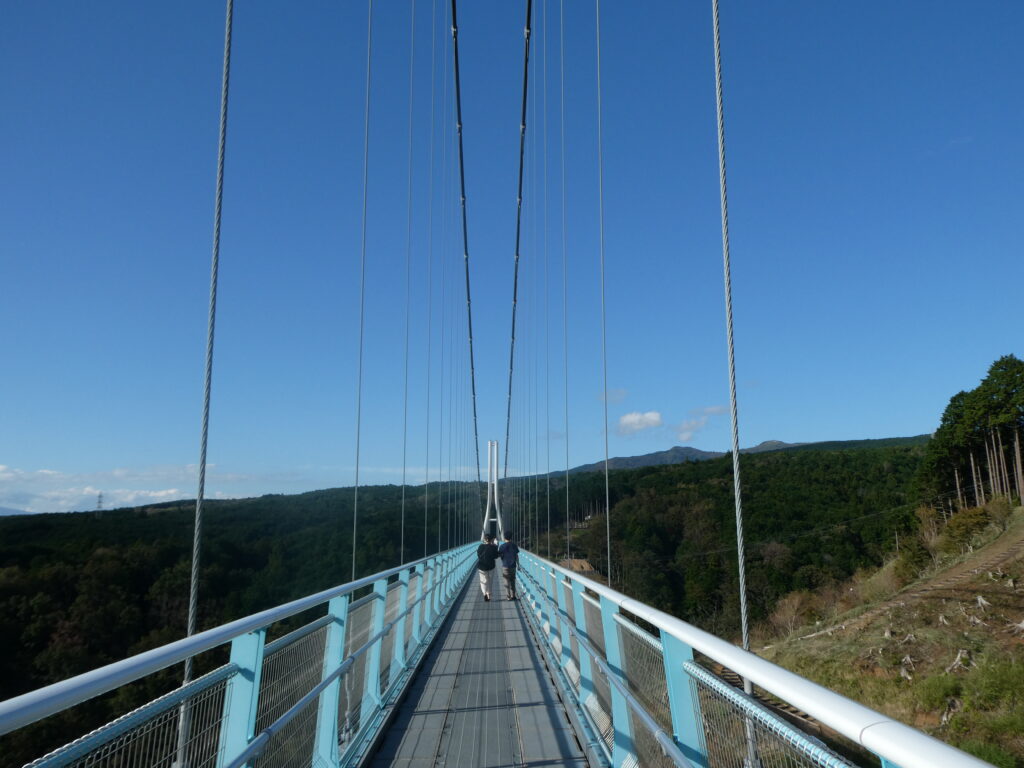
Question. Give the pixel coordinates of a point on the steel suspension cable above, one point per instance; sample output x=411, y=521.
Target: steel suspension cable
x=534, y=312
x=565, y=269
x=547, y=291
x=193, y=592
x=408, y=276
x=720, y=112
x=446, y=334
x=441, y=368
x=448, y=214
x=430, y=263
x=465, y=230
x=519, y=220
x=604, y=325
x=362, y=280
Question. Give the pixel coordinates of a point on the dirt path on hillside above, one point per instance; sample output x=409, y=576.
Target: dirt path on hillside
x=1006, y=549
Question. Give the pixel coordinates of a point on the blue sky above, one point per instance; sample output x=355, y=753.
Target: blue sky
x=875, y=175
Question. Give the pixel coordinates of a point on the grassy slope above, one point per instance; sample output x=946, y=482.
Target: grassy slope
x=980, y=707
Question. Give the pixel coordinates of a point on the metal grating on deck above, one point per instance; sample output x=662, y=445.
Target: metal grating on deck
x=483, y=698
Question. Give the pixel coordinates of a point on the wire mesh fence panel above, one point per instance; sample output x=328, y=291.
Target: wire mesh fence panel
x=294, y=745
x=739, y=732
x=290, y=671
x=413, y=581
x=428, y=597
x=162, y=734
x=392, y=606
x=572, y=667
x=599, y=704
x=646, y=749
x=644, y=667
x=353, y=683
x=556, y=646
x=592, y=614
x=570, y=607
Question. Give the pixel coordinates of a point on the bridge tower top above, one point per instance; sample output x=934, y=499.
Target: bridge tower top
x=492, y=514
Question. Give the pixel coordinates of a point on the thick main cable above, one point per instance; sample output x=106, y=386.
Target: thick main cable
x=519, y=221
x=720, y=112
x=465, y=232
x=193, y=592
x=362, y=281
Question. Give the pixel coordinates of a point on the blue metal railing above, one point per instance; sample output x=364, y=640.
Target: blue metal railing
x=316, y=695
x=644, y=701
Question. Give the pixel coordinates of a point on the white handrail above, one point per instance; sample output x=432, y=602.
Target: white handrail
x=42, y=702
x=898, y=743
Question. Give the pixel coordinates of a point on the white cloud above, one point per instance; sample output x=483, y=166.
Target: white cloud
x=615, y=395
x=699, y=419
x=711, y=410
x=689, y=427
x=635, y=421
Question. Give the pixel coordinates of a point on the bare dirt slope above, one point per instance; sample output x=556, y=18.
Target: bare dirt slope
x=946, y=654
x=950, y=583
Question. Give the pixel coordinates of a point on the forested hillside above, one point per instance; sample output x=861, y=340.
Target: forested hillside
x=977, y=447
x=81, y=590
x=810, y=517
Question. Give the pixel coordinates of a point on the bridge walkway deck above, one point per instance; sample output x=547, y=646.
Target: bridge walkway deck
x=483, y=697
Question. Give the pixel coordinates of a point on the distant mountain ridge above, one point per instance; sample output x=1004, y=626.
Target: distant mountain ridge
x=11, y=511
x=679, y=454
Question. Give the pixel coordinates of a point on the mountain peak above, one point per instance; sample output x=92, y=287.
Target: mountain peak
x=681, y=453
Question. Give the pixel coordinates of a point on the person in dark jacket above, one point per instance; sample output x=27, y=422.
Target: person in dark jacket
x=486, y=555
x=509, y=554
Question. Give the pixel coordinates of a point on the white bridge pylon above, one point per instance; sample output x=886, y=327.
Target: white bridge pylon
x=492, y=514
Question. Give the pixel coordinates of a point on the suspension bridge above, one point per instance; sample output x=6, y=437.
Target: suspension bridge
x=410, y=666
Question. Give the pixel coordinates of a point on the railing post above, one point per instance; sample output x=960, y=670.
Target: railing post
x=446, y=578
x=623, y=744
x=326, y=747
x=453, y=579
x=439, y=592
x=417, y=632
x=239, y=721
x=398, y=655
x=436, y=584
x=554, y=619
x=687, y=724
x=546, y=572
x=563, y=623
x=538, y=577
x=371, y=689
x=429, y=572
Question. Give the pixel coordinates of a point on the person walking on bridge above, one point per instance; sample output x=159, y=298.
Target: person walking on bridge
x=486, y=555
x=509, y=553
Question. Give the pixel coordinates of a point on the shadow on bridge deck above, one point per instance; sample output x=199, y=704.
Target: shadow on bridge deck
x=482, y=698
